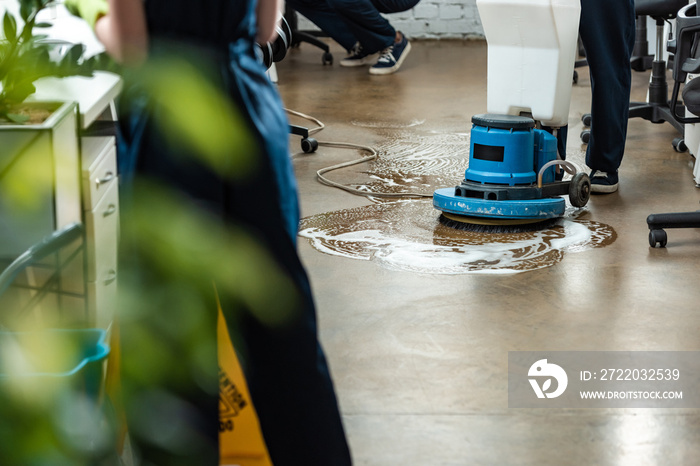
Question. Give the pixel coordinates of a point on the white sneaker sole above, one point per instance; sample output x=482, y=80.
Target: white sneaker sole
x=396, y=66
x=604, y=189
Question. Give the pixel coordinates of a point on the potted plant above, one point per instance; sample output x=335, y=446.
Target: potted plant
x=39, y=146
x=26, y=57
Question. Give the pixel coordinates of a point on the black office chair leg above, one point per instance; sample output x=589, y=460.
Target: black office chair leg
x=308, y=144
x=657, y=223
x=303, y=36
x=298, y=37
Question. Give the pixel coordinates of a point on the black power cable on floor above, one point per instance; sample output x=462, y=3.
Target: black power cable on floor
x=346, y=145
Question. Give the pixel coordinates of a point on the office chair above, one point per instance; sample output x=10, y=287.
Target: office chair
x=656, y=109
x=685, y=47
x=306, y=36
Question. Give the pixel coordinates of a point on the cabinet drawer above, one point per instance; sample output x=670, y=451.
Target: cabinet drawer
x=102, y=234
x=102, y=299
x=99, y=168
x=91, y=148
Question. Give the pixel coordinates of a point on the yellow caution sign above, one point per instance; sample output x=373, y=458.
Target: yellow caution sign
x=240, y=439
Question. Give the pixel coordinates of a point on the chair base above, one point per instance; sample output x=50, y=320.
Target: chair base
x=655, y=113
x=657, y=223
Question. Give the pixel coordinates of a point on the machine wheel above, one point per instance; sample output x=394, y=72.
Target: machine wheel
x=679, y=145
x=579, y=190
x=586, y=119
x=327, y=58
x=657, y=236
x=309, y=145
x=585, y=136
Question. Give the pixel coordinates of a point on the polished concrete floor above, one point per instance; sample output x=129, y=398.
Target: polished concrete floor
x=420, y=359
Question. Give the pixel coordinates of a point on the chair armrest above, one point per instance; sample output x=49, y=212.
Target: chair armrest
x=687, y=25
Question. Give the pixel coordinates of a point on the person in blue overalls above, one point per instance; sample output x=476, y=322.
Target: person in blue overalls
x=285, y=367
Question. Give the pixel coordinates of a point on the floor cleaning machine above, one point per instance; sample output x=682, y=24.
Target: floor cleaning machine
x=514, y=173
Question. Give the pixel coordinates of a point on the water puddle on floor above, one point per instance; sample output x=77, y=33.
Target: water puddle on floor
x=407, y=235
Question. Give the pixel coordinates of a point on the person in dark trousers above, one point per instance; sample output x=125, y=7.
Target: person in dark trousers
x=361, y=29
x=174, y=420
x=607, y=32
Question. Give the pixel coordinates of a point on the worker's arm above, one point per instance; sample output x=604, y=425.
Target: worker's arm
x=123, y=31
x=268, y=13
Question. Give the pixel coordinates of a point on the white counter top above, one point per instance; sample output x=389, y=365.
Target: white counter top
x=93, y=95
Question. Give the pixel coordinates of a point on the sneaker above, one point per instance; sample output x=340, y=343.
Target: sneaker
x=356, y=57
x=603, y=182
x=392, y=57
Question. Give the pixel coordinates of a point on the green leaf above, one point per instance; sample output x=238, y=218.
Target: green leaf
x=25, y=9
x=17, y=118
x=9, y=26
x=24, y=56
x=74, y=53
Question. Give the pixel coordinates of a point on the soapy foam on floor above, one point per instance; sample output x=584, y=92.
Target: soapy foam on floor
x=408, y=236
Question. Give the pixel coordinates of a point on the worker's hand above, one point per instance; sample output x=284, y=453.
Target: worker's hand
x=89, y=10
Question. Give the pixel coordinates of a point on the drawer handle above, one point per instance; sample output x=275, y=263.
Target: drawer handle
x=109, y=176
x=111, y=276
x=110, y=210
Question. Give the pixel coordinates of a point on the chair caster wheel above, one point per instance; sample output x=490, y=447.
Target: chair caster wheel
x=586, y=119
x=575, y=77
x=585, y=136
x=309, y=145
x=679, y=145
x=657, y=236
x=579, y=190
x=327, y=58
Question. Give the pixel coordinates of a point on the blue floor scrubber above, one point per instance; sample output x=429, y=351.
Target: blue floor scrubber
x=515, y=175
x=512, y=176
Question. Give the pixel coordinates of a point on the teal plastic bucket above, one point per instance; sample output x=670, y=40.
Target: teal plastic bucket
x=64, y=357
x=52, y=408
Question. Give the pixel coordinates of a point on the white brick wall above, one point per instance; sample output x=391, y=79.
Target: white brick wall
x=433, y=19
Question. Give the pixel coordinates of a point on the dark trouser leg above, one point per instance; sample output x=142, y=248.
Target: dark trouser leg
x=285, y=367
x=168, y=327
x=607, y=31
x=327, y=19
x=364, y=19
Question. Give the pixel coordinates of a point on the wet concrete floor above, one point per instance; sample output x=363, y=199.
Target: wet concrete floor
x=417, y=321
